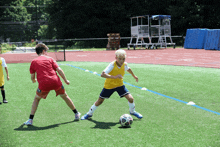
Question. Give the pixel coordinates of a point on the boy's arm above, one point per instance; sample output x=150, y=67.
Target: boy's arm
x=107, y=70
x=33, y=78
x=6, y=70
x=61, y=73
x=131, y=72
x=105, y=75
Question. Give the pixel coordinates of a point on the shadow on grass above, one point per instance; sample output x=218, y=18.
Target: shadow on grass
x=35, y=128
x=124, y=127
x=107, y=125
x=128, y=126
x=103, y=125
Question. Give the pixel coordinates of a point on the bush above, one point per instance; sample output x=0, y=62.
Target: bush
x=32, y=44
x=7, y=47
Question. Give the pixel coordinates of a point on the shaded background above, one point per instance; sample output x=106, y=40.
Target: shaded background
x=23, y=20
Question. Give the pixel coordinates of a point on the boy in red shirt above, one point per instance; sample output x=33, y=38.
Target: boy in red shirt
x=46, y=69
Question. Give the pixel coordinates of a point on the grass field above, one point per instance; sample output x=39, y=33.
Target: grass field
x=166, y=122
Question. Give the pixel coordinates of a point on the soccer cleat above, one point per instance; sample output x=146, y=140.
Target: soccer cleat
x=0, y=103
x=5, y=101
x=77, y=116
x=29, y=122
x=86, y=116
x=138, y=115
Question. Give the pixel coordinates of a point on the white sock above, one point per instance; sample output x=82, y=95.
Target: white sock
x=92, y=109
x=131, y=107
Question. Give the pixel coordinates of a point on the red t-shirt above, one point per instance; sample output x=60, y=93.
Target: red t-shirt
x=47, y=77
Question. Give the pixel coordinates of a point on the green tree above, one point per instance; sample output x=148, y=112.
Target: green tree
x=13, y=20
x=61, y=19
x=85, y=19
x=22, y=19
x=194, y=14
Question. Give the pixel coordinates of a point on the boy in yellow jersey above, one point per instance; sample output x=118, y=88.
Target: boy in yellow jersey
x=2, y=81
x=114, y=82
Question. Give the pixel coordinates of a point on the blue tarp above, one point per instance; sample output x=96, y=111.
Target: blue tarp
x=212, y=41
x=195, y=38
x=208, y=39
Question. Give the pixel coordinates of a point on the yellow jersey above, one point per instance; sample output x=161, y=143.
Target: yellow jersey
x=113, y=83
x=2, y=82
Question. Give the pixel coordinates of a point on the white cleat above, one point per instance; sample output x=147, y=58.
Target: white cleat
x=77, y=116
x=29, y=122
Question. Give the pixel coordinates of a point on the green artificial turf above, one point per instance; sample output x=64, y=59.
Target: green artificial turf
x=166, y=122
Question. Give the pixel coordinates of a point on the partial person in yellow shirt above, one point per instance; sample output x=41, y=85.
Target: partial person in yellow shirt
x=2, y=81
x=114, y=73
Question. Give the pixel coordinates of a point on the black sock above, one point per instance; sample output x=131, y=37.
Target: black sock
x=75, y=111
x=3, y=94
x=31, y=117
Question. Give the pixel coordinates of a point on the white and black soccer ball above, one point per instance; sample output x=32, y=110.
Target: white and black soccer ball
x=126, y=120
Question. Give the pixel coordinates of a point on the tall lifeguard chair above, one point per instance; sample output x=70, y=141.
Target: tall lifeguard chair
x=139, y=31
x=160, y=28
x=149, y=27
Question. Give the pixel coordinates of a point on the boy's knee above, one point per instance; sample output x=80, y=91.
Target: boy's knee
x=99, y=101
x=130, y=98
x=64, y=96
x=37, y=97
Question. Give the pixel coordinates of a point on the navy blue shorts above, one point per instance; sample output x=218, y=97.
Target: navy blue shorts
x=106, y=93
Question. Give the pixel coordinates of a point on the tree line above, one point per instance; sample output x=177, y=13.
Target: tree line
x=23, y=20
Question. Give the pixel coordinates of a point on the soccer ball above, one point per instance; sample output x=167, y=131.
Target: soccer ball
x=126, y=120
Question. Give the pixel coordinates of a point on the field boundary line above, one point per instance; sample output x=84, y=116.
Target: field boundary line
x=148, y=90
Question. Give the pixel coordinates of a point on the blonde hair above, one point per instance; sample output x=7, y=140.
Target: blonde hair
x=120, y=52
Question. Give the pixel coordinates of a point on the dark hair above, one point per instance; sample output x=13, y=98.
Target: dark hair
x=40, y=47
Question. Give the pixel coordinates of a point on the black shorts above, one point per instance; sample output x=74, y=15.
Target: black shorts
x=106, y=93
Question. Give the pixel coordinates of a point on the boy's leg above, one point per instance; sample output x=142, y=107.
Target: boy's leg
x=69, y=102
x=35, y=104
x=105, y=94
x=3, y=94
x=131, y=104
x=93, y=108
x=33, y=110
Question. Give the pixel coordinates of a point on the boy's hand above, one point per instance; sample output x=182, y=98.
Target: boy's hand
x=34, y=81
x=119, y=76
x=8, y=78
x=136, y=78
x=67, y=82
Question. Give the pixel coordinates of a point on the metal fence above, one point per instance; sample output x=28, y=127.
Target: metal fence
x=58, y=47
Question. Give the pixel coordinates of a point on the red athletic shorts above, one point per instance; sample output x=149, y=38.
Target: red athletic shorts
x=43, y=94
